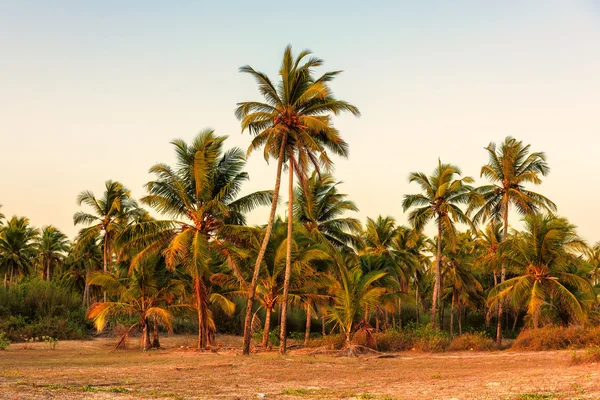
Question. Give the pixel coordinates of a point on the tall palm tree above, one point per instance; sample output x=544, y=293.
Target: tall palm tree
x=200, y=196
x=443, y=192
x=547, y=256
x=110, y=215
x=17, y=248
x=293, y=125
x=52, y=247
x=509, y=169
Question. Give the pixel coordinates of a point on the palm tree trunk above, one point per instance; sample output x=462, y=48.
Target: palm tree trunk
x=459, y=317
x=155, y=338
x=261, y=253
x=145, y=334
x=202, y=313
x=438, y=276
x=308, y=321
x=288, y=261
x=105, y=259
x=452, y=313
x=417, y=302
x=265, y=339
x=503, y=272
x=86, y=294
x=323, y=323
x=400, y=313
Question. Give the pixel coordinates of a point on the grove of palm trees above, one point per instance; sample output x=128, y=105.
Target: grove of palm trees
x=490, y=266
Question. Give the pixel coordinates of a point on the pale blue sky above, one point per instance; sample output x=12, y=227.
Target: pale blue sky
x=91, y=91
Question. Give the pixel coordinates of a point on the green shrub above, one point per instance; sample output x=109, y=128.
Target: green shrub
x=40, y=308
x=428, y=339
x=556, y=338
x=4, y=341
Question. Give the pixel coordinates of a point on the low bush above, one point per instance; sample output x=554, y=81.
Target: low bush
x=556, y=338
x=332, y=341
x=477, y=341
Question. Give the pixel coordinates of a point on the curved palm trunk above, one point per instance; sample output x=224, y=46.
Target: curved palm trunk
x=288, y=262
x=438, y=276
x=265, y=339
x=503, y=273
x=308, y=321
x=261, y=253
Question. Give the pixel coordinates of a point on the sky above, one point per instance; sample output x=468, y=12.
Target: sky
x=92, y=91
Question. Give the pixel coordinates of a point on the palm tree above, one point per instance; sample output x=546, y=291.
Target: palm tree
x=489, y=260
x=52, y=246
x=200, y=195
x=442, y=194
x=355, y=295
x=85, y=258
x=509, y=169
x=17, y=248
x=294, y=124
x=388, y=245
x=110, y=215
x=547, y=256
x=459, y=281
x=147, y=291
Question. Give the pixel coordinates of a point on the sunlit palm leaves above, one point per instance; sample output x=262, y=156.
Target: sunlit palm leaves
x=109, y=215
x=201, y=196
x=547, y=256
x=52, y=247
x=17, y=248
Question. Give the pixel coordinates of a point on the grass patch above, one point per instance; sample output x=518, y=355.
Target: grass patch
x=591, y=355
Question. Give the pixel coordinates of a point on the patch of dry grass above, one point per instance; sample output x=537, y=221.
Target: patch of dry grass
x=87, y=370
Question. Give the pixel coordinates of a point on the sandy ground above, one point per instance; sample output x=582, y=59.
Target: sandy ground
x=87, y=370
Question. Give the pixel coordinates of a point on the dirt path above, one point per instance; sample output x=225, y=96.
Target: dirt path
x=86, y=370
